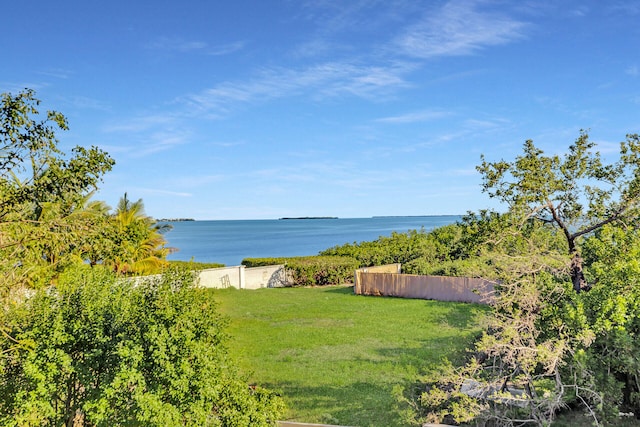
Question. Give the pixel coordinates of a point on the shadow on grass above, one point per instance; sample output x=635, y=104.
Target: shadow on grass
x=462, y=315
x=360, y=404
x=381, y=399
x=427, y=356
x=344, y=290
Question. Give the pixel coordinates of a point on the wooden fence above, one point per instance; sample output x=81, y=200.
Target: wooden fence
x=457, y=289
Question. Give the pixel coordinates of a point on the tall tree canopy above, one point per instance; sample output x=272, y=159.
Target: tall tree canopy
x=40, y=190
x=577, y=193
x=32, y=167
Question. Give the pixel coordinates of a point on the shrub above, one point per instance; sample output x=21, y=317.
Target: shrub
x=192, y=265
x=397, y=248
x=97, y=350
x=312, y=270
x=471, y=267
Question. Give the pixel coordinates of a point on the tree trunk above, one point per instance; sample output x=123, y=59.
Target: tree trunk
x=577, y=275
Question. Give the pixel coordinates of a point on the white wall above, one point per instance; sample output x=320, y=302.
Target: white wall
x=243, y=278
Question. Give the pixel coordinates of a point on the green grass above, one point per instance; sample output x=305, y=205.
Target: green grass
x=340, y=358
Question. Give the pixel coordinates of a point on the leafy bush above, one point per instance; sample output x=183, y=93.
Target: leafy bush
x=473, y=267
x=261, y=262
x=613, y=309
x=397, y=248
x=312, y=270
x=192, y=265
x=97, y=350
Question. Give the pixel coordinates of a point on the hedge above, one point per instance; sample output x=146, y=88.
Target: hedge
x=192, y=265
x=312, y=270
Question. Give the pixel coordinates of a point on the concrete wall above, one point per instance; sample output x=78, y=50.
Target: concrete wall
x=271, y=276
x=223, y=277
x=459, y=289
x=243, y=278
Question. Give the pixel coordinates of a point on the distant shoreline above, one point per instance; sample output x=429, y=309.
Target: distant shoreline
x=412, y=216
x=309, y=217
x=174, y=219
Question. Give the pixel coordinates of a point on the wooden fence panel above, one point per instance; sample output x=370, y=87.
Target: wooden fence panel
x=458, y=289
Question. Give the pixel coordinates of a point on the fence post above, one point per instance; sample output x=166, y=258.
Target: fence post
x=241, y=279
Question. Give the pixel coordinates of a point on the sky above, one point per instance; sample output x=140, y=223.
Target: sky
x=351, y=108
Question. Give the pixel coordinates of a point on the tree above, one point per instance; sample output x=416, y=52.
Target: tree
x=577, y=193
x=139, y=241
x=33, y=169
x=613, y=309
x=517, y=373
x=549, y=345
x=39, y=189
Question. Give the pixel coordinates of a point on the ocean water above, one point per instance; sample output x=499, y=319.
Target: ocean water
x=229, y=242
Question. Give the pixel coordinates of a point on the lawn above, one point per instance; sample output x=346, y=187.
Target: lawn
x=340, y=358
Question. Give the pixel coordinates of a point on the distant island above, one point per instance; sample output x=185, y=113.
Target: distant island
x=411, y=216
x=310, y=217
x=174, y=219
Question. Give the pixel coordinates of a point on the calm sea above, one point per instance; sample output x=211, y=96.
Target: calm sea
x=229, y=242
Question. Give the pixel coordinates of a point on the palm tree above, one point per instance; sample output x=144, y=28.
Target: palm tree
x=141, y=248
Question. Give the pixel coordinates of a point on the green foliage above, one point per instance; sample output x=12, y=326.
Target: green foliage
x=613, y=309
x=97, y=350
x=399, y=247
x=577, y=193
x=40, y=190
x=439, y=399
x=79, y=346
x=515, y=354
x=261, y=262
x=468, y=248
x=312, y=270
x=126, y=240
x=546, y=346
x=192, y=265
x=474, y=267
x=33, y=171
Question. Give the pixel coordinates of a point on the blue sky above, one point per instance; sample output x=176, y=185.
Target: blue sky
x=264, y=109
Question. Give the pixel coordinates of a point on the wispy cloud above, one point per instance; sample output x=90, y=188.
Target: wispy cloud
x=580, y=11
x=460, y=172
x=336, y=17
x=458, y=28
x=625, y=7
x=227, y=144
x=194, y=181
x=225, y=49
x=59, y=73
x=161, y=140
x=150, y=134
x=180, y=45
x=633, y=71
x=163, y=192
x=18, y=87
x=141, y=123
x=324, y=80
x=86, y=103
x=417, y=116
